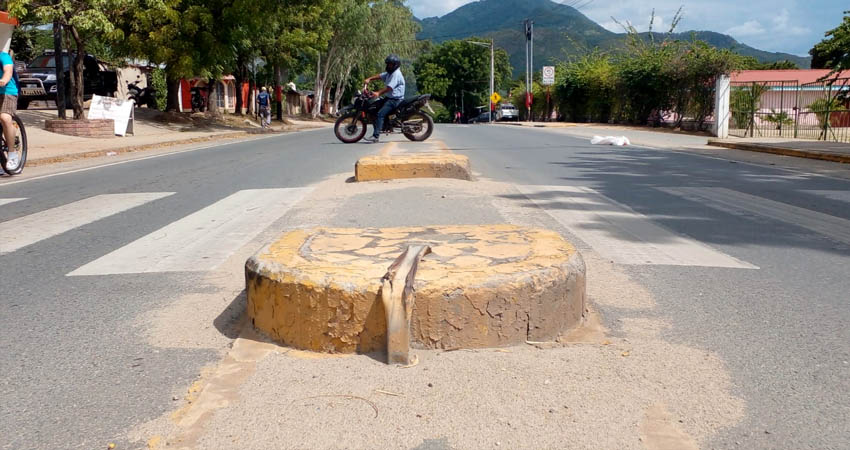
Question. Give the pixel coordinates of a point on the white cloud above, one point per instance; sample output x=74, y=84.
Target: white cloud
x=748, y=28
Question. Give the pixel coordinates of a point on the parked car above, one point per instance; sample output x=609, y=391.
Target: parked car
x=481, y=118
x=507, y=112
x=38, y=81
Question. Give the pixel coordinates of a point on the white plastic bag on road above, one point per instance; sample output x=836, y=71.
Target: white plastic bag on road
x=610, y=140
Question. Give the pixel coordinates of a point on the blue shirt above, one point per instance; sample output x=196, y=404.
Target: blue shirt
x=394, y=81
x=263, y=98
x=11, y=88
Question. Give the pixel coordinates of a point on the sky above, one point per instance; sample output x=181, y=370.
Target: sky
x=791, y=26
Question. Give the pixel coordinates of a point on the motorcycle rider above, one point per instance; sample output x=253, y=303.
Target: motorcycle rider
x=394, y=81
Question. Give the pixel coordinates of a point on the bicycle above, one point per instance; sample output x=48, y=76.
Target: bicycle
x=20, y=147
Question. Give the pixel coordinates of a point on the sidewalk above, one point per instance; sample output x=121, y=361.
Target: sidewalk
x=45, y=147
x=827, y=151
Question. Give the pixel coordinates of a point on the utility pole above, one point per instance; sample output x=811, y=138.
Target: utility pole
x=492, y=78
x=59, y=61
x=490, y=44
x=529, y=64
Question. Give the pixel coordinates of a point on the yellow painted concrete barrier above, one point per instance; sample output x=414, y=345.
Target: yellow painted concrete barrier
x=482, y=286
x=420, y=165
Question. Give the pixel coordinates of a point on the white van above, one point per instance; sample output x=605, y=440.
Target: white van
x=507, y=112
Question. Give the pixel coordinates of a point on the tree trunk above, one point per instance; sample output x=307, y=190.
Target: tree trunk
x=77, y=75
x=278, y=93
x=318, y=89
x=213, y=99
x=60, y=69
x=239, y=75
x=250, y=100
x=172, y=102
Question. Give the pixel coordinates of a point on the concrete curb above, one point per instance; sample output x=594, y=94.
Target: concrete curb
x=440, y=165
x=778, y=150
x=483, y=286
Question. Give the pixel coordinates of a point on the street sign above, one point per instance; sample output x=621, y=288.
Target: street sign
x=495, y=98
x=548, y=75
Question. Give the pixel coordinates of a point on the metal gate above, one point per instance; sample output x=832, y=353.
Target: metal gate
x=763, y=108
x=823, y=111
x=787, y=109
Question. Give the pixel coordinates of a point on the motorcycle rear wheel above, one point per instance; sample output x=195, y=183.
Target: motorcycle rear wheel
x=350, y=128
x=418, y=126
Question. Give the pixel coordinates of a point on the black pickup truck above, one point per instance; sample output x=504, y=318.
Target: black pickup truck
x=38, y=80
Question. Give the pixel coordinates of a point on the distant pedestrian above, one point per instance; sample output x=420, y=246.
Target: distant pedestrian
x=264, y=107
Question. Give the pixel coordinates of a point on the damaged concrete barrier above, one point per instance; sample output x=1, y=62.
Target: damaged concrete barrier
x=423, y=165
x=481, y=286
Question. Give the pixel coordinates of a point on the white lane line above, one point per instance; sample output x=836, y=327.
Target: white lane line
x=621, y=234
x=28, y=230
x=6, y=201
x=840, y=196
x=202, y=240
x=739, y=203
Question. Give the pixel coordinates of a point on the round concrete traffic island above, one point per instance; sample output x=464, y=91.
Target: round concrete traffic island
x=482, y=286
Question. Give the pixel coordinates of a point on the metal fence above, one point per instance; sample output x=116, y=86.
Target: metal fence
x=823, y=112
x=787, y=109
x=763, y=108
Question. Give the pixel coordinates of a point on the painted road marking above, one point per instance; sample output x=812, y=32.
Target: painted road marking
x=28, y=230
x=840, y=196
x=739, y=203
x=6, y=201
x=621, y=234
x=202, y=240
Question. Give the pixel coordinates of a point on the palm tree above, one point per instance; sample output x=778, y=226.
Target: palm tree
x=822, y=108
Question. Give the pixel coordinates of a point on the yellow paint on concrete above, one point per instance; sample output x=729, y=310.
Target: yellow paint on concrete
x=413, y=165
x=516, y=283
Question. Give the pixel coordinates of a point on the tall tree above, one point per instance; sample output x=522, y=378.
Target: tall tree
x=365, y=32
x=186, y=36
x=460, y=70
x=83, y=20
x=834, y=51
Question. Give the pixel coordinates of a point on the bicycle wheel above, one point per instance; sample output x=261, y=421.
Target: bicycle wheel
x=20, y=146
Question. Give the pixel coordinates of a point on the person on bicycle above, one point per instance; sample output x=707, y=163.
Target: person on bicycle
x=264, y=107
x=8, y=108
x=394, y=81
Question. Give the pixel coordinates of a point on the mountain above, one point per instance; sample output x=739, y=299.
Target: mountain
x=560, y=31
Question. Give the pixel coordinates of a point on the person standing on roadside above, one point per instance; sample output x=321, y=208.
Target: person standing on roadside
x=8, y=108
x=264, y=107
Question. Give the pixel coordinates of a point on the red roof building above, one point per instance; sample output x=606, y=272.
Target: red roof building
x=801, y=76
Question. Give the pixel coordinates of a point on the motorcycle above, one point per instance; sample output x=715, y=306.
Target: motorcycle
x=142, y=96
x=407, y=118
x=198, y=103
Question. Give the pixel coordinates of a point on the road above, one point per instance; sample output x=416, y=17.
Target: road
x=745, y=260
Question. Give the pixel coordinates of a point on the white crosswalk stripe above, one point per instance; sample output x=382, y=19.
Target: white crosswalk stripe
x=6, y=201
x=27, y=230
x=745, y=204
x=621, y=234
x=202, y=240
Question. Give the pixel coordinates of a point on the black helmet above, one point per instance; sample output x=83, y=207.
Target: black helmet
x=393, y=62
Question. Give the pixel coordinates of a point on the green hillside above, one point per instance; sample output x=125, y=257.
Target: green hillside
x=560, y=31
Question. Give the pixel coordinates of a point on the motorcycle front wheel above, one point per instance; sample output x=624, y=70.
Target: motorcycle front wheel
x=418, y=126
x=350, y=127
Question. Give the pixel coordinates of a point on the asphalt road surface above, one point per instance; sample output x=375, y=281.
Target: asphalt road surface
x=746, y=259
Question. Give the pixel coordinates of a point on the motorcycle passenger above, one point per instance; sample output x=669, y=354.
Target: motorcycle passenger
x=394, y=81
x=263, y=103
